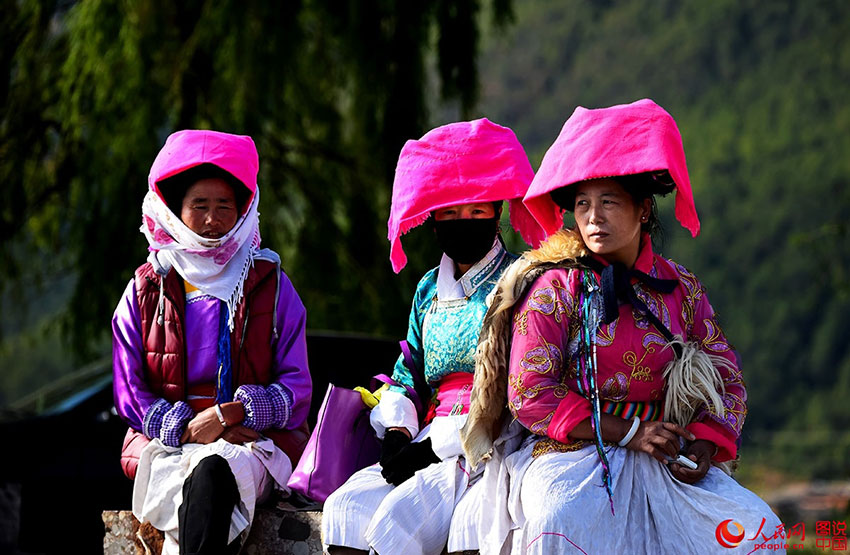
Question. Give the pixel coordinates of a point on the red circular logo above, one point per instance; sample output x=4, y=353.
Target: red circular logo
x=729, y=533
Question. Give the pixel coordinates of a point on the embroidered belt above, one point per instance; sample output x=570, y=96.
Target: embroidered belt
x=647, y=411
x=453, y=394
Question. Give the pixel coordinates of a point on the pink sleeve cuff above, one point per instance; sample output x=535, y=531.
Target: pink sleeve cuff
x=727, y=449
x=572, y=410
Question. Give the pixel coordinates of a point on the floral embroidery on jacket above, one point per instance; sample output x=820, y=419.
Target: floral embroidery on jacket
x=631, y=357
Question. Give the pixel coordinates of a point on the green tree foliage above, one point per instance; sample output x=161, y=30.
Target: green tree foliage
x=328, y=90
x=760, y=92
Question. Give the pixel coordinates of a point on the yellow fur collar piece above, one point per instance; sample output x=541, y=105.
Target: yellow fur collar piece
x=564, y=244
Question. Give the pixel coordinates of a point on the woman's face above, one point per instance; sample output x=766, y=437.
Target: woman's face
x=209, y=208
x=476, y=210
x=609, y=220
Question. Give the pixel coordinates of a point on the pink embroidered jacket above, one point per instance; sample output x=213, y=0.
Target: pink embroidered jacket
x=630, y=358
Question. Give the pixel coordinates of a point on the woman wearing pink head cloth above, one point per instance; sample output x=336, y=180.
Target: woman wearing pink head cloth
x=613, y=358
x=209, y=350
x=454, y=179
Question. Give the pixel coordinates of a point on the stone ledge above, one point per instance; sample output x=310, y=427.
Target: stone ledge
x=275, y=532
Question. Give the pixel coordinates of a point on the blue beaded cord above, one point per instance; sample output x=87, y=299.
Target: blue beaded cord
x=587, y=383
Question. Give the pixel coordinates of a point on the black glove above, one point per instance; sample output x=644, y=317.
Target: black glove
x=409, y=459
x=394, y=441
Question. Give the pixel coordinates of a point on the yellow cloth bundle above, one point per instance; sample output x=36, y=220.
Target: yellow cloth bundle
x=371, y=399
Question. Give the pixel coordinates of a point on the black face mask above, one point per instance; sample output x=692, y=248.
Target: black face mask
x=466, y=241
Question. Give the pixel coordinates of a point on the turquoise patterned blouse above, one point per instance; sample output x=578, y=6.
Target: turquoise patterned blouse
x=443, y=334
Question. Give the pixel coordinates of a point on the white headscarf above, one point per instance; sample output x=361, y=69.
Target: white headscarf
x=217, y=267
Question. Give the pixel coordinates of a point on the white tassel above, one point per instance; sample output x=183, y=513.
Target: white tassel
x=234, y=299
x=693, y=380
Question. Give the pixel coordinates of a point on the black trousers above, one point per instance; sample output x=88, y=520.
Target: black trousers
x=209, y=496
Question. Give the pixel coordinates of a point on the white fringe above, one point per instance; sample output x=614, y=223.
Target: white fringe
x=236, y=296
x=693, y=379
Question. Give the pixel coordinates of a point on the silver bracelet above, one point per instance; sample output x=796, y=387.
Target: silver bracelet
x=631, y=433
x=220, y=416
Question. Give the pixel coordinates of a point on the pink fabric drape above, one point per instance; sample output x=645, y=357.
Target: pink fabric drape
x=605, y=142
x=186, y=149
x=459, y=163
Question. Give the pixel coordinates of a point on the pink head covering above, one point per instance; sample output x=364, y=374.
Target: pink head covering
x=236, y=154
x=216, y=266
x=459, y=163
x=620, y=140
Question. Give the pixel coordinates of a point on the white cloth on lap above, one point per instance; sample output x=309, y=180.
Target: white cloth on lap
x=158, y=488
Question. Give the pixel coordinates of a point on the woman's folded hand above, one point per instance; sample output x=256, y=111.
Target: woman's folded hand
x=203, y=428
x=659, y=439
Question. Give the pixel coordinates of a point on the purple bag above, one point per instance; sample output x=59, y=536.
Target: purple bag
x=343, y=440
x=342, y=443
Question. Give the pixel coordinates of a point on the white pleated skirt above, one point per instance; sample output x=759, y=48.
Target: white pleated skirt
x=559, y=505
x=414, y=518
